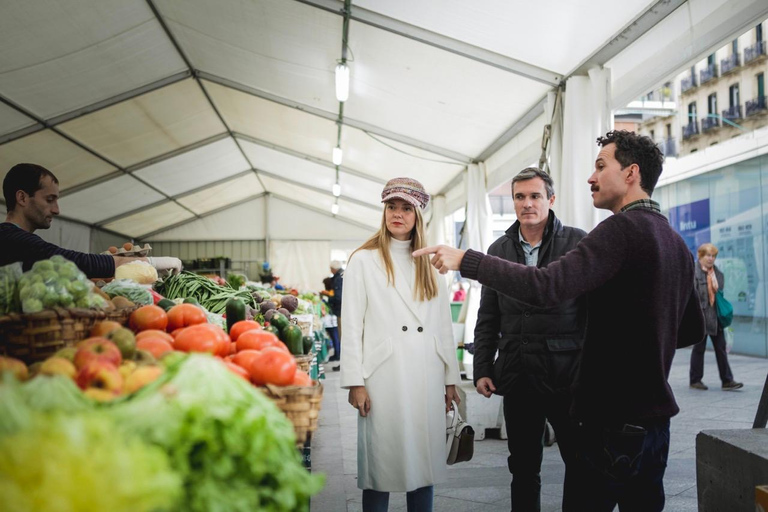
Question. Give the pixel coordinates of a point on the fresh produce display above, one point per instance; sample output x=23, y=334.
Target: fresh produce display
x=235, y=308
x=129, y=289
x=9, y=297
x=111, y=470
x=138, y=271
x=56, y=282
x=199, y=437
x=236, y=281
x=211, y=296
x=293, y=338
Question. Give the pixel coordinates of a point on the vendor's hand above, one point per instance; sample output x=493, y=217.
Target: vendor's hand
x=359, y=399
x=445, y=258
x=165, y=263
x=451, y=395
x=485, y=387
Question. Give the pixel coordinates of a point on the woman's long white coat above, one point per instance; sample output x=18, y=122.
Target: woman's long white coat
x=402, y=351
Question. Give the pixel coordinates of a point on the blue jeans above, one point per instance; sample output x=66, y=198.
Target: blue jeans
x=419, y=500
x=623, y=466
x=333, y=334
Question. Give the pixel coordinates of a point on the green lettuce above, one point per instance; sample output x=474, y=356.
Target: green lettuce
x=234, y=449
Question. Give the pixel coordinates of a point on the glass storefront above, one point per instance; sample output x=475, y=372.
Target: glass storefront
x=729, y=208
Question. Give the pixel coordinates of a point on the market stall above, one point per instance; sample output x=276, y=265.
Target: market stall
x=202, y=387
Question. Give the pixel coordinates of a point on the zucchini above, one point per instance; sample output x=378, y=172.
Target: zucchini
x=166, y=304
x=235, y=312
x=292, y=337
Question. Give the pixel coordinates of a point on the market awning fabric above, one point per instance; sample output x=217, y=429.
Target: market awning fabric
x=159, y=115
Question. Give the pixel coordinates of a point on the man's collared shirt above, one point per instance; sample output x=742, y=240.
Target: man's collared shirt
x=531, y=252
x=647, y=204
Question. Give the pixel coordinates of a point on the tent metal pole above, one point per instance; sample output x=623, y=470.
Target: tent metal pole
x=441, y=42
x=331, y=116
x=303, y=156
x=82, y=146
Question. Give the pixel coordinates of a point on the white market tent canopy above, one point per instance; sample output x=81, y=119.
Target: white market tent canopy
x=199, y=120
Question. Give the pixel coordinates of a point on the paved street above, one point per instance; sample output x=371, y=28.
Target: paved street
x=483, y=483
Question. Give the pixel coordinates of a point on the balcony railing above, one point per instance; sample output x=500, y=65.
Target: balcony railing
x=729, y=64
x=708, y=73
x=688, y=83
x=709, y=123
x=691, y=129
x=733, y=113
x=668, y=146
x=753, y=52
x=755, y=106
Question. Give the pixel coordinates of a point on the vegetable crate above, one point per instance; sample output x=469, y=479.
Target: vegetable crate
x=34, y=337
x=301, y=404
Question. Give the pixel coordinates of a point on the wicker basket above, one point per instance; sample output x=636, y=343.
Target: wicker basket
x=303, y=363
x=35, y=336
x=301, y=404
x=121, y=316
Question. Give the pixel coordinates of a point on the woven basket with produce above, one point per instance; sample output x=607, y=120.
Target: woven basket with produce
x=34, y=337
x=301, y=404
x=47, y=308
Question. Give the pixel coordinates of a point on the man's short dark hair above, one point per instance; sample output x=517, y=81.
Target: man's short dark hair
x=632, y=148
x=26, y=177
x=530, y=173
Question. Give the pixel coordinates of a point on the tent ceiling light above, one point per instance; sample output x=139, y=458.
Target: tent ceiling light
x=337, y=155
x=335, y=208
x=336, y=189
x=342, y=82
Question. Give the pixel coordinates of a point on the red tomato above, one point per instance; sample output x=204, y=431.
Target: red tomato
x=241, y=327
x=149, y=317
x=301, y=379
x=237, y=370
x=154, y=333
x=201, y=338
x=184, y=315
x=244, y=358
x=273, y=366
x=232, y=348
x=155, y=346
x=259, y=340
x=176, y=332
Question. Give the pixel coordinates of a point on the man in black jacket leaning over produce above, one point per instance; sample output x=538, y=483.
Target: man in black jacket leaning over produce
x=539, y=348
x=32, y=201
x=641, y=305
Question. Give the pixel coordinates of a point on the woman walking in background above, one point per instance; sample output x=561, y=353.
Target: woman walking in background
x=708, y=281
x=399, y=360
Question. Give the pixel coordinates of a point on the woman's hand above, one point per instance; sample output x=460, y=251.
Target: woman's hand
x=359, y=399
x=451, y=395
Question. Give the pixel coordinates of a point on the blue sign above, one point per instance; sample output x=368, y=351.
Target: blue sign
x=691, y=221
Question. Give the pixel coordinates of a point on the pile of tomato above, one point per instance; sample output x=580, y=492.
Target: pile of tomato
x=248, y=351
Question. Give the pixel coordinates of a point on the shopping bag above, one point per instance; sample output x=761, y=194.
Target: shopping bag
x=724, y=310
x=728, y=335
x=460, y=437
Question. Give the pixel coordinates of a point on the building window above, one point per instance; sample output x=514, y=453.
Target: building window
x=733, y=95
x=759, y=33
x=735, y=47
x=669, y=130
x=653, y=135
x=711, y=59
x=760, y=85
x=692, y=112
x=712, y=103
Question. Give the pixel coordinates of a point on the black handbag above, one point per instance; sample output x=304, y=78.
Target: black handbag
x=460, y=437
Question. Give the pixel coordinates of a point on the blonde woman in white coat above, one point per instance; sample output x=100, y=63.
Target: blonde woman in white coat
x=399, y=360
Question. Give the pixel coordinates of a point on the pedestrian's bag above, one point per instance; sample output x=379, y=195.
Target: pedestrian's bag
x=724, y=309
x=460, y=437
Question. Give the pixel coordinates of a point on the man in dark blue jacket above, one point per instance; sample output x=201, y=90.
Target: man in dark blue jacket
x=538, y=348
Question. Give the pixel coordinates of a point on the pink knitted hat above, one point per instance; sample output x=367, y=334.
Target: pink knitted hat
x=406, y=189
